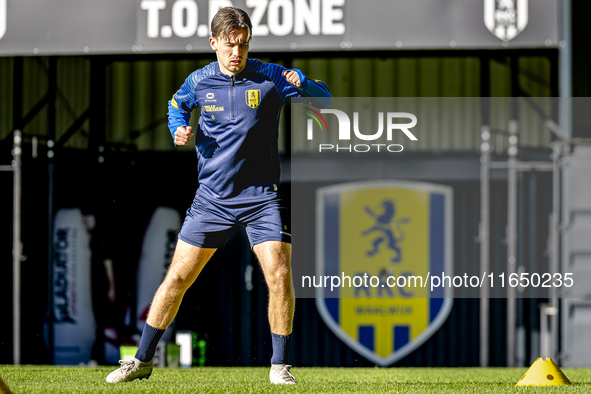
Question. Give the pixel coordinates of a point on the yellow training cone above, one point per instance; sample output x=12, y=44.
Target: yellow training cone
x=544, y=373
x=4, y=388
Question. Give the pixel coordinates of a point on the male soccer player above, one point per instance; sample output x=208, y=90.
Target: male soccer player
x=236, y=143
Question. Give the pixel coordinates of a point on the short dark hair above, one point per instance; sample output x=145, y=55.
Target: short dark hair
x=230, y=18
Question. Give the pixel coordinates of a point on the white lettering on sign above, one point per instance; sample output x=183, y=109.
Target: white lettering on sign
x=259, y=7
x=181, y=26
x=3, y=12
x=307, y=15
x=153, y=7
x=330, y=14
x=280, y=23
x=269, y=17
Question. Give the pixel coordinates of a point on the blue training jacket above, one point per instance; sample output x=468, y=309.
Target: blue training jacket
x=236, y=140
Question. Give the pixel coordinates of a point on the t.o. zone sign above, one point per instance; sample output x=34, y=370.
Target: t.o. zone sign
x=190, y=18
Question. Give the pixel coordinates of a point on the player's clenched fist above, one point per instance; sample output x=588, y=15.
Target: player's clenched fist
x=293, y=78
x=183, y=135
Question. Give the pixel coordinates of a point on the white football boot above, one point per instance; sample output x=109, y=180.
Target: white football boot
x=280, y=374
x=130, y=370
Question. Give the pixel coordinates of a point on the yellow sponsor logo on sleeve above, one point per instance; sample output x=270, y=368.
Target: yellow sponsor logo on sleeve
x=174, y=103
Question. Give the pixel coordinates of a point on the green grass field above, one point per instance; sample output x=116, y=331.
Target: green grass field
x=48, y=379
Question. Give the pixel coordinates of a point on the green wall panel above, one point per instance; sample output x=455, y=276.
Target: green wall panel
x=73, y=98
x=6, y=108
x=35, y=86
x=138, y=91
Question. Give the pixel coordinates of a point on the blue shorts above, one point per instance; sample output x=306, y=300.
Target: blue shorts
x=209, y=223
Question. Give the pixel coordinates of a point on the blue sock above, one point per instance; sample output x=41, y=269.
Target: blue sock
x=280, y=348
x=150, y=338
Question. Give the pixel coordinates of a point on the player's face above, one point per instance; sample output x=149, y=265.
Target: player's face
x=231, y=51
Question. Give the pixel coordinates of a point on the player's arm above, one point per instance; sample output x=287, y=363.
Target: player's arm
x=310, y=91
x=178, y=122
x=309, y=87
x=179, y=111
x=183, y=135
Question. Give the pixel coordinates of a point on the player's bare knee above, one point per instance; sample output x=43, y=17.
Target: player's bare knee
x=176, y=281
x=279, y=278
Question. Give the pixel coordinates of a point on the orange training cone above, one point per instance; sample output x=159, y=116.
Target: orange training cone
x=544, y=373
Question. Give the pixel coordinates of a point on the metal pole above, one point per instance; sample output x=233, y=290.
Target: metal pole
x=554, y=261
x=521, y=336
x=565, y=119
x=545, y=340
x=484, y=239
x=511, y=238
x=16, y=246
x=484, y=228
x=52, y=94
x=533, y=232
x=565, y=70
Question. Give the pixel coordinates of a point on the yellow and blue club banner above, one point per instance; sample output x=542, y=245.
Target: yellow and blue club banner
x=383, y=240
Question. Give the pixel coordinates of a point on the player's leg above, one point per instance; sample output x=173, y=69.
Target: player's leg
x=187, y=263
x=268, y=229
x=275, y=260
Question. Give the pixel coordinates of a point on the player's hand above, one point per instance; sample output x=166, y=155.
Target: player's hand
x=183, y=135
x=293, y=78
